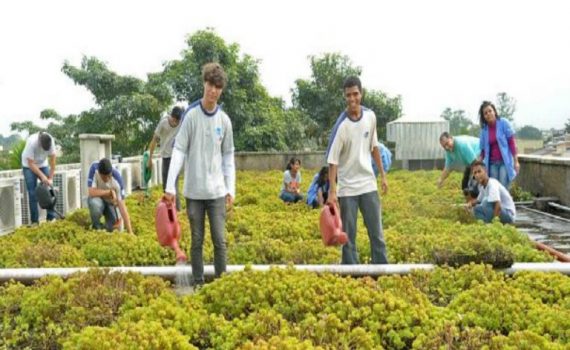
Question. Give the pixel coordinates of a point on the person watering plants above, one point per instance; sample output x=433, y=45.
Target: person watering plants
x=353, y=141
x=204, y=145
x=38, y=148
x=106, y=194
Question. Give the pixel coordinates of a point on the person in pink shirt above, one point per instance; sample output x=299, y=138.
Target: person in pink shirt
x=498, y=145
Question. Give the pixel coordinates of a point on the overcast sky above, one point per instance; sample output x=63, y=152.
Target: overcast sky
x=435, y=54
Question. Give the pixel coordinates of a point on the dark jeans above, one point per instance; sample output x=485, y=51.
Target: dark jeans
x=468, y=183
x=216, y=210
x=371, y=210
x=290, y=197
x=31, y=183
x=99, y=207
x=165, y=168
x=486, y=212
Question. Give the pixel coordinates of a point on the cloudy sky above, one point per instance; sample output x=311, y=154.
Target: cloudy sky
x=435, y=54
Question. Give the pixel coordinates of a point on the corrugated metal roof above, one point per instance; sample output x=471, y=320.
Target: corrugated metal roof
x=417, y=140
x=407, y=119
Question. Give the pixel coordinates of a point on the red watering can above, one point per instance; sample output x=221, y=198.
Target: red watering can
x=168, y=228
x=331, y=226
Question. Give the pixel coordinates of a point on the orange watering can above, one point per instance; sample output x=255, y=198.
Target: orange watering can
x=331, y=226
x=168, y=228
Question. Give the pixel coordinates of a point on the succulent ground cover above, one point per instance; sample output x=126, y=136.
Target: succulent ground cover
x=462, y=306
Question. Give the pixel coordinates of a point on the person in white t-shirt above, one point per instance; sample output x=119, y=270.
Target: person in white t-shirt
x=353, y=140
x=494, y=199
x=205, y=146
x=39, y=147
x=164, y=135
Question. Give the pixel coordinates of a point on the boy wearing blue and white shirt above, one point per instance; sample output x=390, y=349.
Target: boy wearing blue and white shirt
x=106, y=194
x=353, y=140
x=494, y=199
x=205, y=146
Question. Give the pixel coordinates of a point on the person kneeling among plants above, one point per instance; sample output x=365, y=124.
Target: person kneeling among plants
x=290, y=189
x=318, y=190
x=106, y=194
x=494, y=199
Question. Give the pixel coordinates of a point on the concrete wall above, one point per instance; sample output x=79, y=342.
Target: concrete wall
x=545, y=176
x=275, y=160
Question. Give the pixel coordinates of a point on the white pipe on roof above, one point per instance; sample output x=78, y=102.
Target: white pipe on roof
x=28, y=275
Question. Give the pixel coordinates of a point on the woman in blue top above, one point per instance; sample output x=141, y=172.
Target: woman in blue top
x=498, y=147
x=290, y=190
x=319, y=188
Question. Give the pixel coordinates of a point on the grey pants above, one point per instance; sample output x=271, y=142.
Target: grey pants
x=369, y=205
x=97, y=208
x=216, y=210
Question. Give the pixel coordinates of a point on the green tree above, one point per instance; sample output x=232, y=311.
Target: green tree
x=459, y=124
x=127, y=107
x=16, y=155
x=27, y=126
x=321, y=99
x=8, y=142
x=259, y=121
x=506, y=106
x=567, y=125
x=62, y=129
x=529, y=132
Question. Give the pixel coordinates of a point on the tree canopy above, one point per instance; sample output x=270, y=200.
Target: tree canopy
x=321, y=97
x=506, y=106
x=130, y=108
x=459, y=124
x=260, y=122
x=529, y=132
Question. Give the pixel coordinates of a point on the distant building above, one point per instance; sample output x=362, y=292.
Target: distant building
x=417, y=141
x=558, y=147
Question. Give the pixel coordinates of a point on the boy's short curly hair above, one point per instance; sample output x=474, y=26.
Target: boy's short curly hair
x=214, y=74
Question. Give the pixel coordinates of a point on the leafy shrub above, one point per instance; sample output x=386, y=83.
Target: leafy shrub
x=524, y=340
x=127, y=336
x=41, y=316
x=497, y=306
x=443, y=284
x=551, y=288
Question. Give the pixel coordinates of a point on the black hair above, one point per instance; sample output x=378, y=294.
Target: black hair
x=445, y=134
x=352, y=81
x=292, y=161
x=105, y=167
x=45, y=140
x=478, y=163
x=176, y=113
x=485, y=104
x=322, y=179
